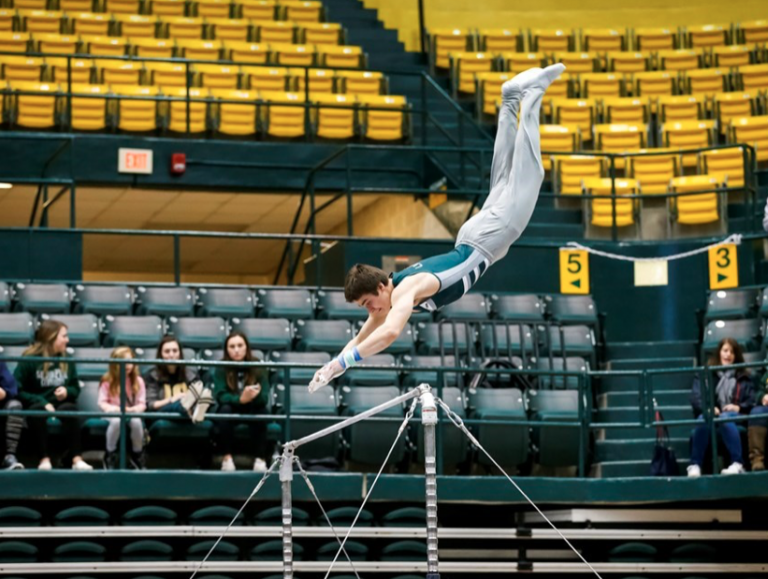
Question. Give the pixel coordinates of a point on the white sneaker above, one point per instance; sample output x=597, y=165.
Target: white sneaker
x=81, y=465
x=259, y=465
x=694, y=470
x=45, y=465
x=228, y=465
x=205, y=401
x=735, y=468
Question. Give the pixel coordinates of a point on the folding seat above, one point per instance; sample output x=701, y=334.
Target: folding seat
x=69, y=6
x=199, y=332
x=226, y=29
x=102, y=300
x=146, y=550
x=194, y=49
x=732, y=304
x=81, y=516
x=331, y=305
x=12, y=351
x=36, y=108
x=321, y=33
x=752, y=131
x=317, y=405
x=274, y=32
x=183, y=27
x=680, y=108
x=322, y=335
x=517, y=307
x=558, y=138
x=464, y=66
x=91, y=371
x=688, y=135
x=119, y=72
x=29, y=4
x=218, y=75
x=653, y=172
x=489, y=89
x=141, y=331
x=570, y=171
x=320, y=80
x=123, y=6
x=256, y=9
x=578, y=62
x=266, y=78
x=692, y=553
x=234, y=118
x=16, y=329
x=297, y=376
x=16, y=516
x=105, y=45
x=22, y=68
x=707, y=82
x=137, y=115
x=44, y=21
x=656, y=39
x=695, y=209
x=602, y=84
x=633, y=552
x=56, y=43
x=281, y=117
x=5, y=297
x=135, y=26
x=556, y=364
x=164, y=301
x=506, y=340
x=403, y=344
x=552, y=40
x=341, y=56
x=506, y=443
x=293, y=54
x=292, y=304
x=604, y=211
x=561, y=88
x=497, y=40
x=89, y=23
x=728, y=56
x=6, y=20
x=620, y=138
x=169, y=74
x=745, y=332
x=273, y=517
x=578, y=340
x=198, y=109
x=603, y=40
x=334, y=116
x=412, y=378
x=628, y=62
x=434, y=338
x=471, y=307
x=443, y=41
x=265, y=334
x=18, y=552
x=273, y=551
x=626, y=110
x=557, y=446
x=680, y=59
x=655, y=84
x=224, y=551
x=212, y=8
x=14, y=41
x=753, y=76
x=725, y=165
x=218, y=516
x=248, y=52
x=167, y=7
x=357, y=377
x=384, y=125
x=731, y=105
x=404, y=551
x=518, y=62
x=753, y=32
x=572, y=309
x=303, y=10
x=83, y=328
x=226, y=303
x=705, y=35
x=369, y=441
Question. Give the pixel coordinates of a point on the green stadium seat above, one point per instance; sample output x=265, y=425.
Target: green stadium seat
x=322, y=335
x=81, y=516
x=517, y=307
x=83, y=329
x=370, y=441
x=572, y=309
x=17, y=516
x=103, y=300
x=18, y=552
x=88, y=401
x=225, y=303
x=504, y=340
x=429, y=333
x=427, y=375
x=633, y=552
x=273, y=517
x=219, y=515
x=90, y=371
x=199, y=332
x=297, y=376
x=273, y=551
x=469, y=307
x=292, y=304
x=42, y=298
x=404, y=551
x=507, y=443
x=141, y=331
x=749, y=357
x=358, y=377
x=146, y=550
x=557, y=445
x=693, y=553
x=225, y=551
x=17, y=329
x=79, y=552
x=572, y=364
x=8, y=351
x=5, y=297
x=343, y=517
x=732, y=304
x=318, y=404
x=576, y=340
x=164, y=301
x=331, y=305
x=405, y=517
x=356, y=551
x=149, y=515
x=267, y=335
x=403, y=344
x=455, y=443
x=745, y=332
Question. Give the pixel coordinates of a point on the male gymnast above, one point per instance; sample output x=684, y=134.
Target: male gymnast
x=516, y=176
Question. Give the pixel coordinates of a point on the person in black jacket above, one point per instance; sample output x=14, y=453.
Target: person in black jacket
x=13, y=424
x=734, y=395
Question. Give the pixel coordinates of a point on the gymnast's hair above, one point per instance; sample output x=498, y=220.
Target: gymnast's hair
x=363, y=279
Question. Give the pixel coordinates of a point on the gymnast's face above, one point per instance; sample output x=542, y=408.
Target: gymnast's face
x=376, y=303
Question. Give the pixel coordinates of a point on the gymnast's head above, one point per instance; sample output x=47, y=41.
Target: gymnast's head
x=369, y=287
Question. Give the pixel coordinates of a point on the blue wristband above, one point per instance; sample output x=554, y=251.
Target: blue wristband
x=349, y=358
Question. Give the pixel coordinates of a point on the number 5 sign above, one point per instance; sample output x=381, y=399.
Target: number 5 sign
x=723, y=267
x=574, y=271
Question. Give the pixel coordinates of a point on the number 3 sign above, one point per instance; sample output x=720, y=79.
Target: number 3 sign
x=723, y=267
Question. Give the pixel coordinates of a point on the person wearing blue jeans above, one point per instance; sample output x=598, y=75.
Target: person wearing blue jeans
x=758, y=427
x=733, y=396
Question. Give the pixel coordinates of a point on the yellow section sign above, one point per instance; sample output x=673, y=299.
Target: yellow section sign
x=574, y=271
x=723, y=267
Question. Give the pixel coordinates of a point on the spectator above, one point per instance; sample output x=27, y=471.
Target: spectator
x=135, y=402
x=51, y=386
x=733, y=396
x=238, y=391
x=13, y=424
x=758, y=427
x=175, y=388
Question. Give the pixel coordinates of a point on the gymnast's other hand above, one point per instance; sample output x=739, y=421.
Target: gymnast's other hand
x=325, y=374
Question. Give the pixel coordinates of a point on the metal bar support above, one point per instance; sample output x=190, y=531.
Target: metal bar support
x=429, y=422
x=286, y=478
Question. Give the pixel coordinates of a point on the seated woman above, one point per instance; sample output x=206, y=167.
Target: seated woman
x=758, y=427
x=238, y=391
x=733, y=396
x=175, y=388
x=135, y=402
x=51, y=386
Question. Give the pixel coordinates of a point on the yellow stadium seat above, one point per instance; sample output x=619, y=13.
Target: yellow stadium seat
x=707, y=82
x=236, y=118
x=334, y=116
x=6, y=20
x=656, y=39
x=558, y=139
x=303, y=10
x=281, y=119
x=602, y=84
x=82, y=70
x=626, y=110
x=688, y=135
x=167, y=7
x=195, y=49
x=138, y=115
x=653, y=172
x=361, y=82
x=29, y=4
x=443, y=41
x=681, y=59
x=45, y=21
x=561, y=88
x=695, y=209
x=706, y=35
x=517, y=62
x=124, y=6
x=384, y=125
x=726, y=165
x=576, y=113
x=552, y=40
x=489, y=89
x=620, y=138
x=320, y=80
x=464, y=66
x=168, y=74
x=753, y=77
x=198, y=109
x=330, y=33
x=571, y=170
x=249, y=52
x=89, y=113
x=104, y=45
x=183, y=27
x=680, y=108
x=275, y=32
x=578, y=62
x=76, y=6
x=56, y=43
x=752, y=131
x=36, y=110
x=227, y=29
x=727, y=56
x=610, y=212
x=257, y=9
x=21, y=68
x=341, y=56
x=628, y=62
x=655, y=84
x=603, y=40
x=731, y=105
x=114, y=72
x=753, y=32
x=152, y=47
x=91, y=24
x=293, y=54
x=212, y=8
x=218, y=75
x=498, y=40
x=136, y=26
x=266, y=78
x=14, y=41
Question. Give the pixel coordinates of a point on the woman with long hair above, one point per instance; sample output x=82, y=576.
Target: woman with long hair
x=135, y=402
x=238, y=390
x=51, y=386
x=733, y=396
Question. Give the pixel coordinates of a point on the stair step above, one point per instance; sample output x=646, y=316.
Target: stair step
x=552, y=215
x=658, y=383
x=632, y=399
x=640, y=433
x=636, y=450
x=681, y=412
x=669, y=349
x=632, y=468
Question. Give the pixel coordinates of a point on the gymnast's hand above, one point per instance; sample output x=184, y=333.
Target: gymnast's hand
x=325, y=374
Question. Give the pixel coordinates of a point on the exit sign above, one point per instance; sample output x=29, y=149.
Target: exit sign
x=134, y=161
